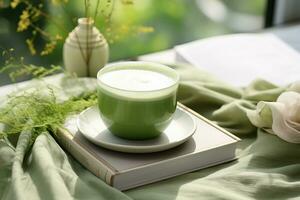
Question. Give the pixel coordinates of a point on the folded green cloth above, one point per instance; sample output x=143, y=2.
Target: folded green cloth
x=222, y=103
x=267, y=167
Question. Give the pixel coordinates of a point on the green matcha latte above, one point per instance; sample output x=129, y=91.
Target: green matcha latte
x=137, y=99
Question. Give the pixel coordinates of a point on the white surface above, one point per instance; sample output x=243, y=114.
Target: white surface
x=166, y=56
x=136, y=80
x=288, y=34
x=241, y=58
x=92, y=127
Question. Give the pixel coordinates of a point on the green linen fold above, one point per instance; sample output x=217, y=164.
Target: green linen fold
x=267, y=167
x=47, y=173
x=222, y=103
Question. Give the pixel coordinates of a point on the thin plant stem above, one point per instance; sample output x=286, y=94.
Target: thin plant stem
x=63, y=8
x=85, y=8
x=96, y=11
x=45, y=15
x=112, y=8
x=80, y=47
x=88, y=32
x=88, y=50
x=76, y=35
x=42, y=32
x=86, y=5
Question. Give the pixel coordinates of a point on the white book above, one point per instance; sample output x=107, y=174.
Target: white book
x=210, y=145
x=240, y=58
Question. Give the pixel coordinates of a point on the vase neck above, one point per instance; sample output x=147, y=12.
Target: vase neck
x=85, y=22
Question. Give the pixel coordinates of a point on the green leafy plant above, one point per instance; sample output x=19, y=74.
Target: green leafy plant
x=39, y=113
x=16, y=67
x=38, y=109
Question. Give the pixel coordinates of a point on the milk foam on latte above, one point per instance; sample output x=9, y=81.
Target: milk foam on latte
x=136, y=80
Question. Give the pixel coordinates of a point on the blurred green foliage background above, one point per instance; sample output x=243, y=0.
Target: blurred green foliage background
x=174, y=22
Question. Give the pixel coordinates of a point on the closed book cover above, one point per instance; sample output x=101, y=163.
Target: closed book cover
x=210, y=145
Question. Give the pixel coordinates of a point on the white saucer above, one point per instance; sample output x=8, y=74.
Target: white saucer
x=92, y=127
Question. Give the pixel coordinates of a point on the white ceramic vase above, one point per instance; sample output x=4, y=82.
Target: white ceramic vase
x=85, y=50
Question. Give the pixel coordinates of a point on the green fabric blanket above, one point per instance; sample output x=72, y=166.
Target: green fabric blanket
x=267, y=167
